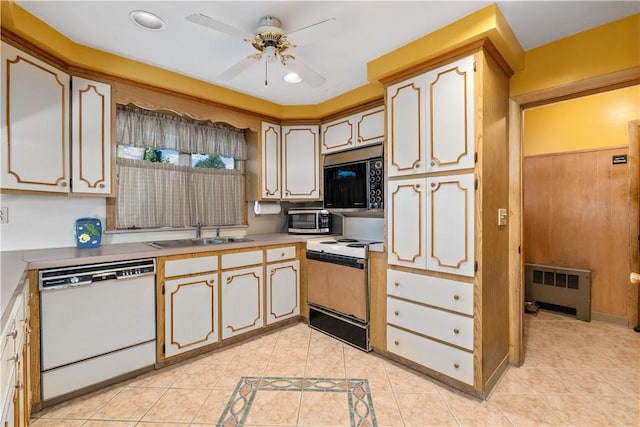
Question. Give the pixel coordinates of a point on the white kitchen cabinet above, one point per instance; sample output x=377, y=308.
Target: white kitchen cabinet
x=35, y=124
x=450, y=224
x=289, y=162
x=407, y=230
x=431, y=121
x=36, y=129
x=191, y=305
x=90, y=136
x=300, y=163
x=188, y=301
x=271, y=171
x=447, y=306
x=365, y=128
x=242, y=300
x=405, y=151
x=283, y=290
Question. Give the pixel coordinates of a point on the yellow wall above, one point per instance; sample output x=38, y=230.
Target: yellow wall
x=599, y=51
x=585, y=123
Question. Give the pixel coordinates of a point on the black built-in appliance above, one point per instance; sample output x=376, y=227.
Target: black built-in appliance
x=354, y=179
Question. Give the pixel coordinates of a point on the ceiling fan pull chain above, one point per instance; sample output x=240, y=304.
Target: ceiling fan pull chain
x=265, y=73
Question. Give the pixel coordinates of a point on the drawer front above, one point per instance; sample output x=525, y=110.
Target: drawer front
x=443, y=325
x=180, y=267
x=444, y=293
x=241, y=259
x=280, y=254
x=447, y=360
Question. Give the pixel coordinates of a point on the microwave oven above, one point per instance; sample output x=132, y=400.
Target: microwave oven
x=356, y=183
x=309, y=221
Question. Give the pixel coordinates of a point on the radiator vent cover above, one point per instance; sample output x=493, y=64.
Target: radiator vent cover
x=566, y=287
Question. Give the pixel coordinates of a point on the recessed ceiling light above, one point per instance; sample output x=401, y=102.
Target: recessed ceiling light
x=292, y=78
x=147, y=20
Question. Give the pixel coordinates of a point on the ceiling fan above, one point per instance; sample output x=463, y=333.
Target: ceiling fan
x=272, y=43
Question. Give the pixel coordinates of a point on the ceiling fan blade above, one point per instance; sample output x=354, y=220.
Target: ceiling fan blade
x=237, y=68
x=314, y=32
x=204, y=20
x=308, y=74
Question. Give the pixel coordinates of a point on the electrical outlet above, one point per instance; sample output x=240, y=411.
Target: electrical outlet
x=4, y=215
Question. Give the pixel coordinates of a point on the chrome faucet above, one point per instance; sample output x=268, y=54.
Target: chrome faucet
x=199, y=230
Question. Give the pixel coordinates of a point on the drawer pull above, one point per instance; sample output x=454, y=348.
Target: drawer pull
x=282, y=254
x=456, y=365
x=396, y=342
x=396, y=284
x=456, y=297
x=396, y=312
x=456, y=331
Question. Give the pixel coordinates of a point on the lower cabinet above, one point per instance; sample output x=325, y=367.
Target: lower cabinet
x=241, y=301
x=430, y=322
x=283, y=291
x=191, y=313
x=188, y=309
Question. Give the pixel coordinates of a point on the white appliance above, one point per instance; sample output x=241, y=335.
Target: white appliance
x=97, y=323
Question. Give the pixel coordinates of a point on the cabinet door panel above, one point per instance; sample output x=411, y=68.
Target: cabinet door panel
x=301, y=151
x=450, y=220
x=370, y=127
x=35, y=124
x=283, y=291
x=241, y=301
x=450, y=116
x=407, y=206
x=271, y=162
x=337, y=135
x=405, y=121
x=190, y=305
x=91, y=136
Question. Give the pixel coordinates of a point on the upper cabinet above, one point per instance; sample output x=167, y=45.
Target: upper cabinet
x=271, y=170
x=36, y=128
x=354, y=131
x=90, y=136
x=289, y=162
x=431, y=121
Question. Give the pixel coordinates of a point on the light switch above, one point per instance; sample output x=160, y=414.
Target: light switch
x=502, y=217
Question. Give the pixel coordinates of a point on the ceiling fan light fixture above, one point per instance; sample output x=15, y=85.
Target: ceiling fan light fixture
x=147, y=20
x=292, y=78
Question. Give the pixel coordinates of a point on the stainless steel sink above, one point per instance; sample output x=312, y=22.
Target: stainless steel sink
x=185, y=243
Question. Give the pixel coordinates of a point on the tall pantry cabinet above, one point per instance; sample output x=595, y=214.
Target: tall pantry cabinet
x=447, y=176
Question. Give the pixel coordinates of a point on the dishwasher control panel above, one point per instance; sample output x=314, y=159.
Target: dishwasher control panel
x=53, y=278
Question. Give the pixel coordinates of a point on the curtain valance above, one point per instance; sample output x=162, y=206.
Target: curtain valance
x=143, y=128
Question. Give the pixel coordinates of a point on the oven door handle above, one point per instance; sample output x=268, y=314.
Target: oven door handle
x=347, y=261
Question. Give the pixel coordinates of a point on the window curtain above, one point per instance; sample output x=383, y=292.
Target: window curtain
x=143, y=128
x=155, y=194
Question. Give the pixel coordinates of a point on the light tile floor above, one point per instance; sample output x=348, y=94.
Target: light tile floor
x=575, y=374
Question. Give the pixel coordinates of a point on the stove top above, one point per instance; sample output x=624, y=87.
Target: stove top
x=341, y=245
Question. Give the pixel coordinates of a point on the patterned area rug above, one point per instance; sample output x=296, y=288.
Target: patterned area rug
x=361, y=411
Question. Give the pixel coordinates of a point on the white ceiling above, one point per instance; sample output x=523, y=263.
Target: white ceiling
x=364, y=30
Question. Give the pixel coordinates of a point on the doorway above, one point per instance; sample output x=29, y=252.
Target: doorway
x=516, y=259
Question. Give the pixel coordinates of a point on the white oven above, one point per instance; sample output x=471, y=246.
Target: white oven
x=97, y=323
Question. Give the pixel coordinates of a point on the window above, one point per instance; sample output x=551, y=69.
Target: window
x=176, y=172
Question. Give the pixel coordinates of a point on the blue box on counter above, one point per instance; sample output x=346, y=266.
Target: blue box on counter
x=88, y=232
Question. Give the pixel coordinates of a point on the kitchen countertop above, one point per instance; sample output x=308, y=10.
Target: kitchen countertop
x=14, y=264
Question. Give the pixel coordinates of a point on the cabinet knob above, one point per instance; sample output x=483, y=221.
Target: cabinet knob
x=417, y=165
x=396, y=284
x=456, y=331
x=15, y=357
x=396, y=342
x=13, y=334
x=433, y=163
x=433, y=184
x=456, y=365
x=63, y=184
x=456, y=297
x=417, y=186
x=396, y=312
x=100, y=185
x=282, y=255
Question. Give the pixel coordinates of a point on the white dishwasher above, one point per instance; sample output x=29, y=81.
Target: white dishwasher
x=97, y=323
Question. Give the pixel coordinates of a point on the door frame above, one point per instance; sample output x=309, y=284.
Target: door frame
x=517, y=105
